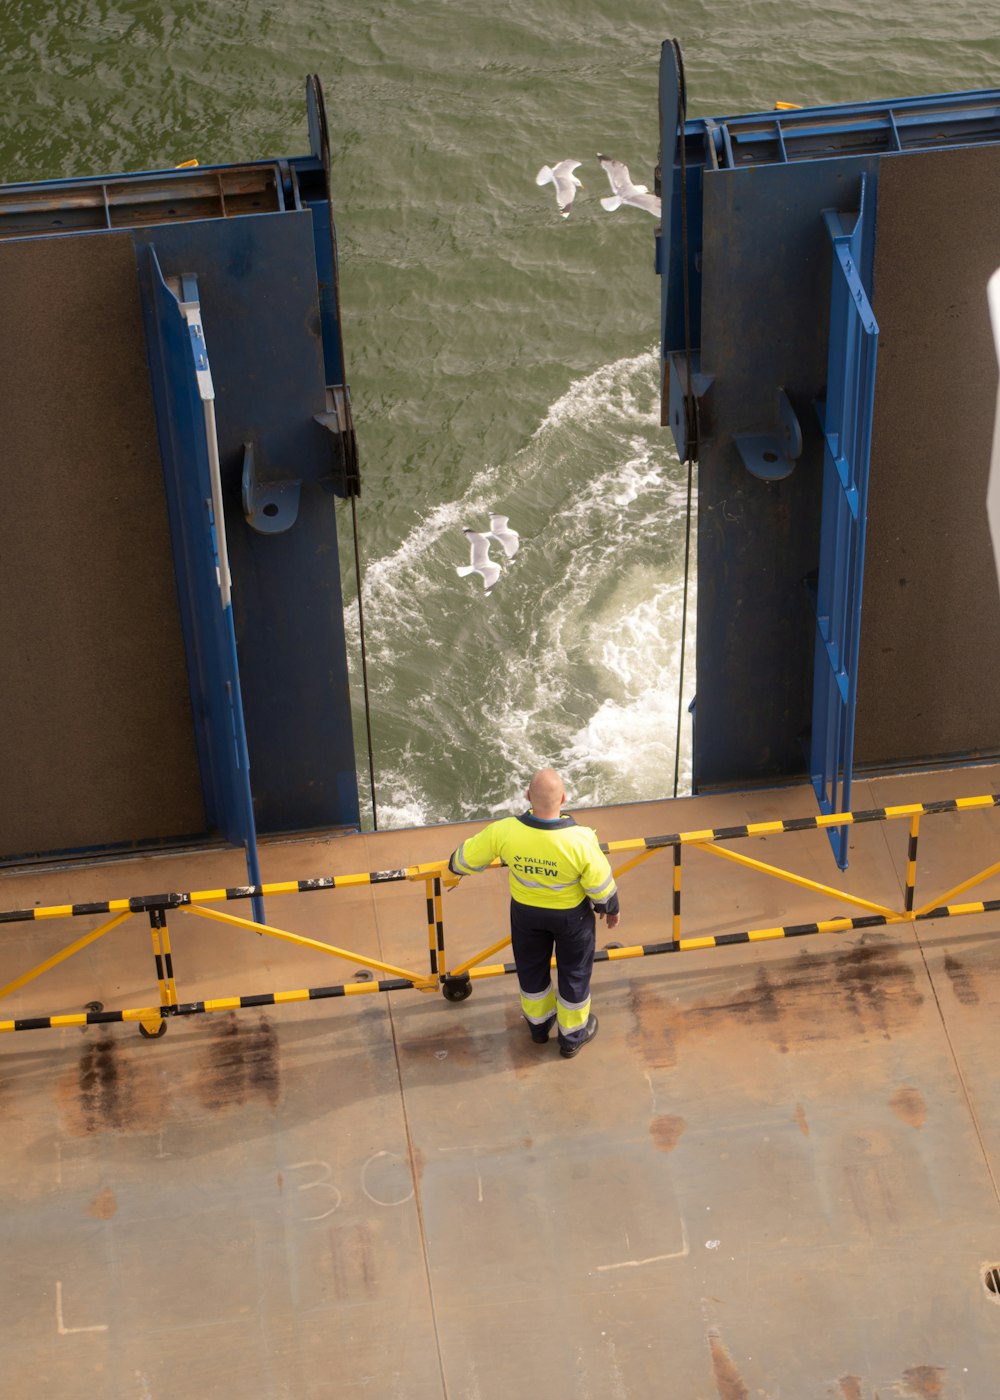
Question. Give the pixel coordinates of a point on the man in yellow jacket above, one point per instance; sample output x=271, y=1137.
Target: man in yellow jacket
x=559, y=877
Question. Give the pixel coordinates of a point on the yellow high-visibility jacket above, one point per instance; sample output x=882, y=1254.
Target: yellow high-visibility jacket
x=551, y=864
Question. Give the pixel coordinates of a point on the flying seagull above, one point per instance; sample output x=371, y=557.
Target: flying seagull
x=479, y=562
x=624, y=190
x=507, y=539
x=565, y=181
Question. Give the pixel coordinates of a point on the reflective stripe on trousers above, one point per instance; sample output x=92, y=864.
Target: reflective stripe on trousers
x=572, y=1016
x=538, y=1006
x=535, y=932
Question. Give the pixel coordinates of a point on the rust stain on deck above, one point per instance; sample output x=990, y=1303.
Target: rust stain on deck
x=666, y=1131
x=962, y=981
x=455, y=1044
x=875, y=1181
x=239, y=1064
x=800, y=1118
x=654, y=1030
x=112, y=1088
x=908, y=1104
x=869, y=989
x=354, y=1261
x=104, y=1205
x=850, y=1387
x=925, y=1382
x=728, y=1381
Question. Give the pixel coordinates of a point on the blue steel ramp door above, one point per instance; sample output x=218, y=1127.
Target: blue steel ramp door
x=257, y=281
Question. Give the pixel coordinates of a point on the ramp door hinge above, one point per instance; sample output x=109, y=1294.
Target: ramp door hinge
x=687, y=407
x=339, y=423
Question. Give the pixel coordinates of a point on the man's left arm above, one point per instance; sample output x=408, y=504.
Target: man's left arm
x=473, y=855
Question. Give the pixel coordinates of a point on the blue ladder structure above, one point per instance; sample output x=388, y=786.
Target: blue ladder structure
x=846, y=419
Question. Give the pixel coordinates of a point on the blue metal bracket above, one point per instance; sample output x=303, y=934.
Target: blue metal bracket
x=846, y=419
x=772, y=454
x=269, y=506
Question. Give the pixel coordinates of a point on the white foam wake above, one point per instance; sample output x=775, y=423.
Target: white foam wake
x=573, y=657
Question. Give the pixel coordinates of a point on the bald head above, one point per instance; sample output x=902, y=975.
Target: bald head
x=546, y=794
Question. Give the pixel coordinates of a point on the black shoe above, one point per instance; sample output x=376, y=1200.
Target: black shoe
x=540, y=1034
x=568, y=1051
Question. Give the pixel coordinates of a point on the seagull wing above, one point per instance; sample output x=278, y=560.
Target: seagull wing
x=645, y=200
x=625, y=191
x=506, y=538
x=617, y=174
x=479, y=559
x=566, y=183
x=565, y=168
x=480, y=548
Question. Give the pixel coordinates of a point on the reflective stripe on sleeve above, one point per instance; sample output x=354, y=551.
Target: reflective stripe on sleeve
x=462, y=866
x=602, y=892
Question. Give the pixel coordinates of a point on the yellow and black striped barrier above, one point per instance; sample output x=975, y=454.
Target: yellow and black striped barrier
x=456, y=982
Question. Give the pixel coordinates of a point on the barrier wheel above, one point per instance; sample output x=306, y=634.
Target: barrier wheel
x=153, y=1035
x=457, y=988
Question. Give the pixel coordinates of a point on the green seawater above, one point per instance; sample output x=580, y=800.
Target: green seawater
x=501, y=359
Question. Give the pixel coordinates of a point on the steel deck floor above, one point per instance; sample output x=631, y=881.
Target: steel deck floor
x=773, y=1175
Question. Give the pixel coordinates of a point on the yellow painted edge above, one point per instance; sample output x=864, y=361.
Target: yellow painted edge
x=691, y=944
x=758, y=828
x=302, y=995
x=76, y=1019
x=688, y=836
x=961, y=802
x=909, y=809
x=431, y=867
x=758, y=935
x=634, y=950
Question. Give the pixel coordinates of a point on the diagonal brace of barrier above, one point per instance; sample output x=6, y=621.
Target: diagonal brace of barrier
x=417, y=978
x=891, y=915
x=64, y=953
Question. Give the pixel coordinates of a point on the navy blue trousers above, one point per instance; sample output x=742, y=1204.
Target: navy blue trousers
x=534, y=933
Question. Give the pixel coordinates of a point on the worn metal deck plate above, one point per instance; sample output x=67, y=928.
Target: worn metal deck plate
x=773, y=1174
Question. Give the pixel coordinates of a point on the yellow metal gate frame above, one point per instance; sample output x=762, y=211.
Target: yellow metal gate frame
x=456, y=982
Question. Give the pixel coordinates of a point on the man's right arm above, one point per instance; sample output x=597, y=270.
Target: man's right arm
x=599, y=882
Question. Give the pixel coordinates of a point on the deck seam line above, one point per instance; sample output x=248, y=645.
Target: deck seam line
x=944, y=1026
x=417, y=1201
x=958, y=1068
